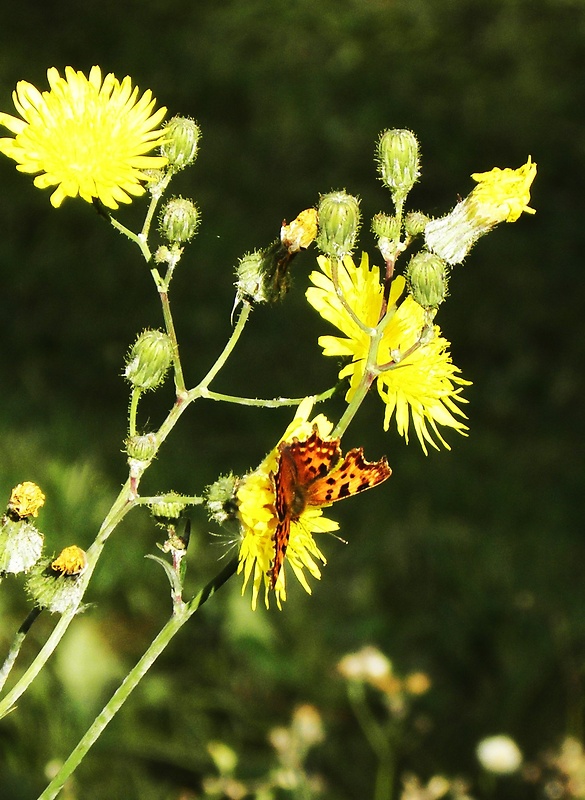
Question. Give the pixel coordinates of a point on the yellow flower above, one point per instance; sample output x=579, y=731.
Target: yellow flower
x=258, y=518
x=25, y=500
x=501, y=195
x=85, y=136
x=415, y=380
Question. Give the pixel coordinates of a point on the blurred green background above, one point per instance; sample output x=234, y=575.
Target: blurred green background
x=467, y=565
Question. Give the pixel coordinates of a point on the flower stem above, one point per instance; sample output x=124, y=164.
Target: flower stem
x=180, y=617
x=17, y=644
x=227, y=350
x=170, y=329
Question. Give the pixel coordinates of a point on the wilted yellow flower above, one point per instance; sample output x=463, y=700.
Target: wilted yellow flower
x=85, y=136
x=501, y=195
x=415, y=379
x=25, y=500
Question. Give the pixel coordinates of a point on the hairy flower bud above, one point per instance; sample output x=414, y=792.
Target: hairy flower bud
x=339, y=221
x=427, y=279
x=148, y=360
x=179, y=220
x=415, y=223
x=21, y=545
x=56, y=585
x=182, y=145
x=141, y=448
x=220, y=499
x=250, y=274
x=168, y=508
x=398, y=162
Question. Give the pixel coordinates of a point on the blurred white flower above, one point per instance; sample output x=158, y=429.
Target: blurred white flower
x=499, y=754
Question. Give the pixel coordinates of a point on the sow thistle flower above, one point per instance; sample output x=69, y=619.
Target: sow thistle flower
x=415, y=377
x=257, y=512
x=501, y=195
x=86, y=136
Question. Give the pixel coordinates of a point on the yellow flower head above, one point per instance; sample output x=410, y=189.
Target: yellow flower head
x=415, y=379
x=501, y=195
x=258, y=518
x=505, y=192
x=25, y=500
x=86, y=136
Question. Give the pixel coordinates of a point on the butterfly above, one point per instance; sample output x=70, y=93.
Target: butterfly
x=314, y=473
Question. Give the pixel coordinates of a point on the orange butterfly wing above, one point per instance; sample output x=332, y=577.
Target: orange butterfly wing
x=309, y=473
x=300, y=465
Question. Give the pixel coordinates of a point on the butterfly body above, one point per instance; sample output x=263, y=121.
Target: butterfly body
x=314, y=473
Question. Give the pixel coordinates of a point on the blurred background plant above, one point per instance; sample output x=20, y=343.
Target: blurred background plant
x=473, y=576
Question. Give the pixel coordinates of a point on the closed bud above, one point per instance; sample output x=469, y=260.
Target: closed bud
x=415, y=223
x=182, y=143
x=398, y=162
x=141, y=448
x=339, y=222
x=250, y=277
x=427, y=279
x=56, y=585
x=21, y=545
x=168, y=508
x=179, y=220
x=383, y=225
x=149, y=360
x=220, y=499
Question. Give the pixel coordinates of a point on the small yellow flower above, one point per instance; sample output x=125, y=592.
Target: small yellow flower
x=85, y=136
x=415, y=380
x=25, y=500
x=501, y=195
x=70, y=561
x=257, y=511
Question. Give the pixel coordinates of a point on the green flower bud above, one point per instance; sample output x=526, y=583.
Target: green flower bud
x=398, y=162
x=148, y=360
x=339, y=221
x=427, y=279
x=56, y=585
x=220, y=499
x=179, y=220
x=250, y=274
x=183, y=142
x=168, y=508
x=141, y=448
x=415, y=223
x=21, y=545
x=383, y=225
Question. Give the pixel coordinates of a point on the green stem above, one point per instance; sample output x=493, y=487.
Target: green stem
x=341, y=297
x=137, y=238
x=131, y=681
x=170, y=329
x=275, y=402
x=227, y=350
x=17, y=644
x=133, y=415
x=378, y=739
